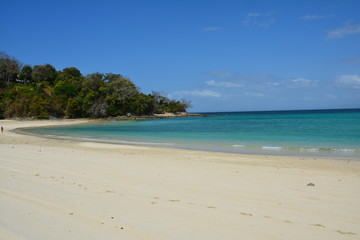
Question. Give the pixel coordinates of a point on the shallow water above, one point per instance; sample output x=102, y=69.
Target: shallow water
x=324, y=132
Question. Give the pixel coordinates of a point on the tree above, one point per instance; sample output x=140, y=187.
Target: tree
x=121, y=88
x=109, y=77
x=70, y=75
x=44, y=74
x=26, y=74
x=9, y=69
x=65, y=89
x=143, y=104
x=93, y=82
x=120, y=94
x=74, y=108
x=185, y=104
x=72, y=71
x=98, y=109
x=68, y=93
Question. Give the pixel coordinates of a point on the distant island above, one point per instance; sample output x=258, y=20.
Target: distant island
x=42, y=92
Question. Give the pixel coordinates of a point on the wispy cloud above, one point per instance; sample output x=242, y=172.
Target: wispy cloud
x=233, y=80
x=220, y=74
x=316, y=17
x=350, y=61
x=258, y=19
x=210, y=29
x=301, y=82
x=256, y=14
x=351, y=81
x=254, y=94
x=237, y=77
x=223, y=84
x=264, y=82
x=344, y=31
x=198, y=93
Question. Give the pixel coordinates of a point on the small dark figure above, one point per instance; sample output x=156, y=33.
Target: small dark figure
x=2, y=129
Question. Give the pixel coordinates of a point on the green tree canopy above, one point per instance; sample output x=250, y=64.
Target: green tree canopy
x=43, y=92
x=9, y=69
x=44, y=74
x=121, y=88
x=93, y=82
x=26, y=74
x=72, y=71
x=65, y=89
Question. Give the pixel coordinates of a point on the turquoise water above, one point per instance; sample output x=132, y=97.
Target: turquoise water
x=325, y=132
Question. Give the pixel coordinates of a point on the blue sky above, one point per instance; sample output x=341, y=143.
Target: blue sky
x=222, y=55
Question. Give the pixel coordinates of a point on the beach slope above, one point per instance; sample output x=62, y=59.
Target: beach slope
x=62, y=189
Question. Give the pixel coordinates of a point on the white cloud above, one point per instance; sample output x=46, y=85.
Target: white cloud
x=250, y=83
x=266, y=24
x=344, y=31
x=273, y=84
x=258, y=19
x=224, y=84
x=199, y=93
x=301, y=83
x=315, y=17
x=220, y=74
x=209, y=29
x=237, y=78
x=350, y=61
x=352, y=81
x=255, y=14
x=254, y=94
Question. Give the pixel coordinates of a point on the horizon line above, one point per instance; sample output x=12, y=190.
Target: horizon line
x=289, y=110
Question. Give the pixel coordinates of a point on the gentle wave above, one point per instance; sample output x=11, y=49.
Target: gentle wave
x=298, y=149
x=99, y=140
x=123, y=142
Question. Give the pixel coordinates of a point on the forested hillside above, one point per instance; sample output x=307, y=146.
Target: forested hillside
x=41, y=91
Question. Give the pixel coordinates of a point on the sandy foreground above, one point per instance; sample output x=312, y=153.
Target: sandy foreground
x=62, y=189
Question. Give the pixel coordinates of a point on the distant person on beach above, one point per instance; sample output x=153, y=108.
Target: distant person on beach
x=2, y=129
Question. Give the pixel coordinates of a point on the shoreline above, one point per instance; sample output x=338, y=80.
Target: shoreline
x=327, y=153
x=121, y=117
x=55, y=140
x=66, y=189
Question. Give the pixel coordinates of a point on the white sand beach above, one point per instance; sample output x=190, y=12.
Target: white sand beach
x=62, y=189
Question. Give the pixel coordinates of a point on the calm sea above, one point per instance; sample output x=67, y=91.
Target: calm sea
x=310, y=132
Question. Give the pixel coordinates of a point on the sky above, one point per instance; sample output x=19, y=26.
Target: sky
x=222, y=55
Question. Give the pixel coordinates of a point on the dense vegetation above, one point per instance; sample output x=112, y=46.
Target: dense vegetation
x=41, y=91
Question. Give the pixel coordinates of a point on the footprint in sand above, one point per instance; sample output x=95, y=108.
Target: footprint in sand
x=346, y=233
x=213, y=207
x=174, y=200
x=246, y=214
x=317, y=225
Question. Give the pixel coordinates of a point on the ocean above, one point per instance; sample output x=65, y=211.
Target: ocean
x=306, y=132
